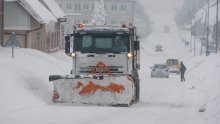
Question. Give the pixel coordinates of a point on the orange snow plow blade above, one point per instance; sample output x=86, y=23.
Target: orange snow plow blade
x=107, y=90
x=91, y=88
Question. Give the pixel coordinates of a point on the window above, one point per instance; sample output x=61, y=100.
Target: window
x=172, y=61
x=113, y=22
x=76, y=21
x=60, y=5
x=86, y=6
x=21, y=19
x=68, y=6
x=77, y=7
x=114, y=7
x=105, y=6
x=85, y=21
x=160, y=66
x=93, y=6
x=123, y=22
x=123, y=7
x=101, y=44
x=37, y=43
x=38, y=36
x=87, y=41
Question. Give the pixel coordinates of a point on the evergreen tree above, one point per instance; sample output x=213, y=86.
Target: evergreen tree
x=142, y=20
x=98, y=16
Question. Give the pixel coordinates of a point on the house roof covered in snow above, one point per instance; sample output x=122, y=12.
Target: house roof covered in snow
x=54, y=8
x=38, y=11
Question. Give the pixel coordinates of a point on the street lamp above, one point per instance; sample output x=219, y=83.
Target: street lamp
x=216, y=36
x=207, y=43
x=1, y=21
x=204, y=29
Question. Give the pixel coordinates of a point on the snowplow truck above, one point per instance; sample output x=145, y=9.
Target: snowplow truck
x=106, y=60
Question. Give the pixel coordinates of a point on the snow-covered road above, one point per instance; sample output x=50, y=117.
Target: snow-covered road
x=26, y=92
x=162, y=101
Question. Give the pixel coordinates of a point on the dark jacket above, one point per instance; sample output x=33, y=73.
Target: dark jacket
x=182, y=67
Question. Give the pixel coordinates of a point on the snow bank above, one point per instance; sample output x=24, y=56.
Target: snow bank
x=203, y=77
x=24, y=78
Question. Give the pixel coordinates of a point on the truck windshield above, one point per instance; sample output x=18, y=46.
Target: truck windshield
x=101, y=44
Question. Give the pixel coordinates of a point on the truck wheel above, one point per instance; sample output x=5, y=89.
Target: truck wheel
x=137, y=90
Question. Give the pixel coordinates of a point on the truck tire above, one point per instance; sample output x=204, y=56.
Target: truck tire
x=137, y=90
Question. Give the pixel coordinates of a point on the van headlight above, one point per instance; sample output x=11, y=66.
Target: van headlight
x=129, y=55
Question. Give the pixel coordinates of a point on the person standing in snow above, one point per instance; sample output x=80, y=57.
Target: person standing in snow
x=182, y=71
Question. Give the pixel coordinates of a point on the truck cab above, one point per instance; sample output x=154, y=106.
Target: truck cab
x=116, y=47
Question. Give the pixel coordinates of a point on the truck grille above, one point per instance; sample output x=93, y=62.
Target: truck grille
x=113, y=69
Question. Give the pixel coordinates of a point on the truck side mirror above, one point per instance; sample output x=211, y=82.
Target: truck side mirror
x=136, y=45
x=67, y=46
x=67, y=38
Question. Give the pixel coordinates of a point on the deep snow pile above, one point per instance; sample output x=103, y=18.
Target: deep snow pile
x=24, y=78
x=204, y=80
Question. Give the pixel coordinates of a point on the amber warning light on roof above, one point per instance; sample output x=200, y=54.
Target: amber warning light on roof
x=124, y=26
x=78, y=26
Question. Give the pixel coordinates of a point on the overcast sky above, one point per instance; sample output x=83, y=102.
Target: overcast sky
x=161, y=12
x=162, y=5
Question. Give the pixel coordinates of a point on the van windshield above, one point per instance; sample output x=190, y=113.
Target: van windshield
x=172, y=62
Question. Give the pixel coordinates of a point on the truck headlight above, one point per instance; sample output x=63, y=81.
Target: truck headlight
x=129, y=55
x=73, y=55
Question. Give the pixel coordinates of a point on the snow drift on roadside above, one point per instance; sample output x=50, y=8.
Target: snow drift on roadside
x=24, y=78
x=204, y=80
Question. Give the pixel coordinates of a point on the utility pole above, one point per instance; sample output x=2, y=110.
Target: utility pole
x=216, y=36
x=204, y=29
x=191, y=33
x=194, y=45
x=1, y=21
x=207, y=43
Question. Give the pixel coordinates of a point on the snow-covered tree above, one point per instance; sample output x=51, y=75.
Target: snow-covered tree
x=142, y=20
x=185, y=14
x=98, y=15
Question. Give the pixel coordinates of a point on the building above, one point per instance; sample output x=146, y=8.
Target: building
x=36, y=23
x=1, y=21
x=80, y=11
x=204, y=26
